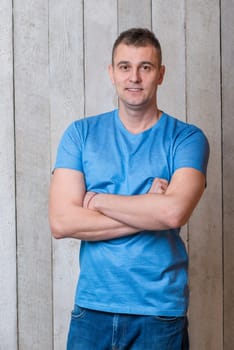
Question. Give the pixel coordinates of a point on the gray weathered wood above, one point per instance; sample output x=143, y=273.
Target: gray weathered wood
x=8, y=296
x=134, y=13
x=227, y=11
x=32, y=174
x=168, y=25
x=205, y=228
x=169, y=29
x=100, y=28
x=67, y=104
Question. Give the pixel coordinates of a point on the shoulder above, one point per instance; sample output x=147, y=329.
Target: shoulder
x=96, y=119
x=91, y=122
x=80, y=127
x=178, y=124
x=182, y=130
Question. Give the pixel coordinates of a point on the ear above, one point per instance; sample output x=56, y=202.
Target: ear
x=161, y=74
x=111, y=73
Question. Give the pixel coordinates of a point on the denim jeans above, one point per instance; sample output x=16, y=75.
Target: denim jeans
x=95, y=330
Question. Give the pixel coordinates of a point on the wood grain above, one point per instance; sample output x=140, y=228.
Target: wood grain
x=8, y=293
x=227, y=45
x=205, y=227
x=32, y=123
x=66, y=105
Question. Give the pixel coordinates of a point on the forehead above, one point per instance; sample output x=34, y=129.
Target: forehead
x=134, y=54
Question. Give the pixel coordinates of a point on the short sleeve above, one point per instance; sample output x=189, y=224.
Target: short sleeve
x=192, y=150
x=69, y=153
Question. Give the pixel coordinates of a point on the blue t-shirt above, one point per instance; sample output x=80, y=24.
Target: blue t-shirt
x=144, y=273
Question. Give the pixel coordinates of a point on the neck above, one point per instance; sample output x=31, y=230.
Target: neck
x=137, y=121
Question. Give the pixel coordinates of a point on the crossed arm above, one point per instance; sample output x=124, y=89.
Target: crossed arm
x=111, y=216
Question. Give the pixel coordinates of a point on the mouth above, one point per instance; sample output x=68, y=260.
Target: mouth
x=134, y=89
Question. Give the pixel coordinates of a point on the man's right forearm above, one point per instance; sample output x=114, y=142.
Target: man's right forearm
x=87, y=224
x=69, y=219
x=71, y=215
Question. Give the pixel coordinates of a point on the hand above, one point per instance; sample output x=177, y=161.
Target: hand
x=158, y=186
x=88, y=199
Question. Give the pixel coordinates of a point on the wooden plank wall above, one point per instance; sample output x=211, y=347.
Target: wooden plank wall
x=204, y=109
x=53, y=69
x=227, y=49
x=32, y=139
x=8, y=296
x=66, y=104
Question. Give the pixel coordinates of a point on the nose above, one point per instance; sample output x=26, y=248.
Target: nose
x=134, y=76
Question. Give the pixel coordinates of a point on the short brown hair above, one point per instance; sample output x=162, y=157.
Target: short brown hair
x=138, y=37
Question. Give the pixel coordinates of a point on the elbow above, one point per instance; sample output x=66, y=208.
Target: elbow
x=175, y=218
x=56, y=229
x=57, y=234
x=176, y=222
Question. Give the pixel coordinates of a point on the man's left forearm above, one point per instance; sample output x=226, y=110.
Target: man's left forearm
x=156, y=211
x=138, y=211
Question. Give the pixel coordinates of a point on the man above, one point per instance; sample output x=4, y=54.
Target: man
x=124, y=183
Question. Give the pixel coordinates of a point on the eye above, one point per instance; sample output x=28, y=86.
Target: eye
x=146, y=67
x=124, y=67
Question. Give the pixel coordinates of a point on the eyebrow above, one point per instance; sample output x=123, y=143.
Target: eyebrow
x=122, y=62
x=140, y=63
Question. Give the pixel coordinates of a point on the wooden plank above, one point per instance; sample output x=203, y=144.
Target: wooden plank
x=32, y=171
x=168, y=25
x=172, y=93
x=205, y=228
x=227, y=38
x=100, y=25
x=8, y=295
x=67, y=104
x=134, y=13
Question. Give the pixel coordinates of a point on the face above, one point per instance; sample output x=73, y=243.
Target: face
x=136, y=74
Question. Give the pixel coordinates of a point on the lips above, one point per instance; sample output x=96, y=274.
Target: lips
x=134, y=89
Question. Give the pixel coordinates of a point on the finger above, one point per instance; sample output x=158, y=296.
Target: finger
x=87, y=197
